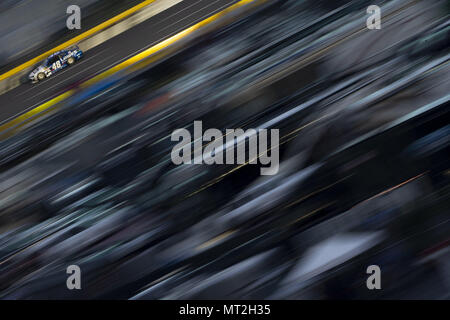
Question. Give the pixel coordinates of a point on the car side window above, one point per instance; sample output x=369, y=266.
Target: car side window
x=52, y=60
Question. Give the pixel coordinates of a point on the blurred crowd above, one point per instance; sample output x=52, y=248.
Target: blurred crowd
x=363, y=180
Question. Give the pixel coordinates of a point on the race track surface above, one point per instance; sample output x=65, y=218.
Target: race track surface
x=148, y=33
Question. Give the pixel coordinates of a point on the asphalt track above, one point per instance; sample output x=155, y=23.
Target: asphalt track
x=148, y=33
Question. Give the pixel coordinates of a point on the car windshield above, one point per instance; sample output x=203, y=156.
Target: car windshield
x=40, y=63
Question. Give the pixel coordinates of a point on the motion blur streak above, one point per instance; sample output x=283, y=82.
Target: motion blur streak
x=363, y=181
x=23, y=119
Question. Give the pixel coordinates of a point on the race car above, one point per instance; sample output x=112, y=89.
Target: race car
x=55, y=62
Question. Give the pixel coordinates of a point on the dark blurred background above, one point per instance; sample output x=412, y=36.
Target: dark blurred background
x=364, y=174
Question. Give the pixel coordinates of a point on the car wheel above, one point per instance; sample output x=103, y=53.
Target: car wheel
x=41, y=76
x=71, y=60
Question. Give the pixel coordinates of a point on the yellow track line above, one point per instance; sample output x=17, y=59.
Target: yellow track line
x=165, y=43
x=26, y=117
x=78, y=38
